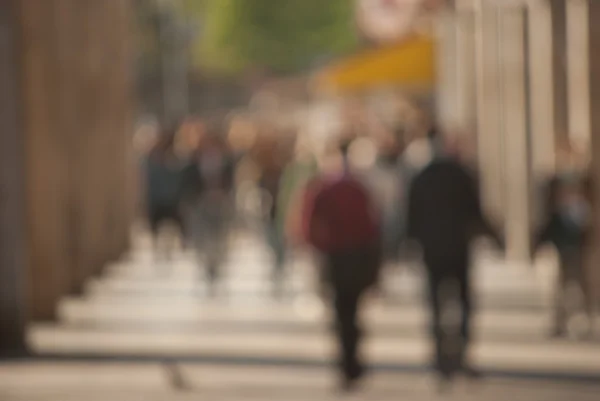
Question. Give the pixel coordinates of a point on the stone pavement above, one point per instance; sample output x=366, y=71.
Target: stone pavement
x=145, y=310
x=78, y=381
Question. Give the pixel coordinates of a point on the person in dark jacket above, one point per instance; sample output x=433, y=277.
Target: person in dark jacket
x=270, y=183
x=269, y=156
x=209, y=190
x=444, y=215
x=164, y=184
x=567, y=226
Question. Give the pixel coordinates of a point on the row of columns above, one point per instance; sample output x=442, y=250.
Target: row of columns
x=76, y=100
x=517, y=73
x=67, y=163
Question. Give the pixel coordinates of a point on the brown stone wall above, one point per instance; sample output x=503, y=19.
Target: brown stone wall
x=12, y=213
x=594, y=37
x=559, y=66
x=76, y=79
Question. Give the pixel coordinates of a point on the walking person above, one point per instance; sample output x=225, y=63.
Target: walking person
x=270, y=180
x=567, y=226
x=342, y=224
x=211, y=173
x=444, y=215
x=390, y=190
x=164, y=189
x=285, y=219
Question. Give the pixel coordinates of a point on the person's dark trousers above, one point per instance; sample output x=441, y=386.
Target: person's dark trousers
x=350, y=274
x=157, y=216
x=276, y=242
x=448, y=283
x=211, y=230
x=571, y=272
x=346, y=304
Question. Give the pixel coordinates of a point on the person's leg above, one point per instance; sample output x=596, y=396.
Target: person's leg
x=346, y=308
x=587, y=288
x=213, y=256
x=172, y=215
x=180, y=218
x=437, y=332
x=154, y=222
x=276, y=243
x=560, y=297
x=189, y=216
x=218, y=242
x=160, y=217
x=347, y=288
x=198, y=235
x=466, y=305
x=207, y=243
x=589, y=299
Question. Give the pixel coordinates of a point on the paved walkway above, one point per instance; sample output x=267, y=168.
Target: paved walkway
x=246, y=345
x=154, y=382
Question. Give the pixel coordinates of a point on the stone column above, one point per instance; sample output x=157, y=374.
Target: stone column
x=13, y=306
x=593, y=8
x=119, y=102
x=559, y=66
x=47, y=184
x=70, y=117
x=515, y=131
x=490, y=142
x=76, y=103
x=466, y=112
x=447, y=67
x=541, y=102
x=541, y=80
x=578, y=72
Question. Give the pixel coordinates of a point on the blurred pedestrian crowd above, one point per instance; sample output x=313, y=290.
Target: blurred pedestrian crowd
x=362, y=204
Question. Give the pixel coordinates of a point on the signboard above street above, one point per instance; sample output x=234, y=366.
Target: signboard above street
x=386, y=20
x=390, y=20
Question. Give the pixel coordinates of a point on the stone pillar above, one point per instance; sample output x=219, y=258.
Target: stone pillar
x=123, y=186
x=12, y=193
x=559, y=66
x=76, y=102
x=490, y=143
x=515, y=131
x=593, y=8
x=578, y=72
x=541, y=80
x=70, y=46
x=541, y=103
x=47, y=153
x=466, y=112
x=447, y=67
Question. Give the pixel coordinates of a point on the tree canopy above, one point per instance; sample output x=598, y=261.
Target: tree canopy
x=235, y=35
x=279, y=35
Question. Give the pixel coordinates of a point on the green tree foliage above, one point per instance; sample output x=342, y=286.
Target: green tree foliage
x=150, y=15
x=279, y=35
x=147, y=34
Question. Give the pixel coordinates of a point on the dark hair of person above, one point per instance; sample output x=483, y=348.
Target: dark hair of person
x=345, y=140
x=433, y=133
x=164, y=144
x=399, y=134
x=345, y=147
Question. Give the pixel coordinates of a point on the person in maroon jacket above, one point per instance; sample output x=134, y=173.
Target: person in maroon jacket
x=342, y=224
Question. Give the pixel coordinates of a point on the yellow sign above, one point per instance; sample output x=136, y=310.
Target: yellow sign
x=409, y=63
